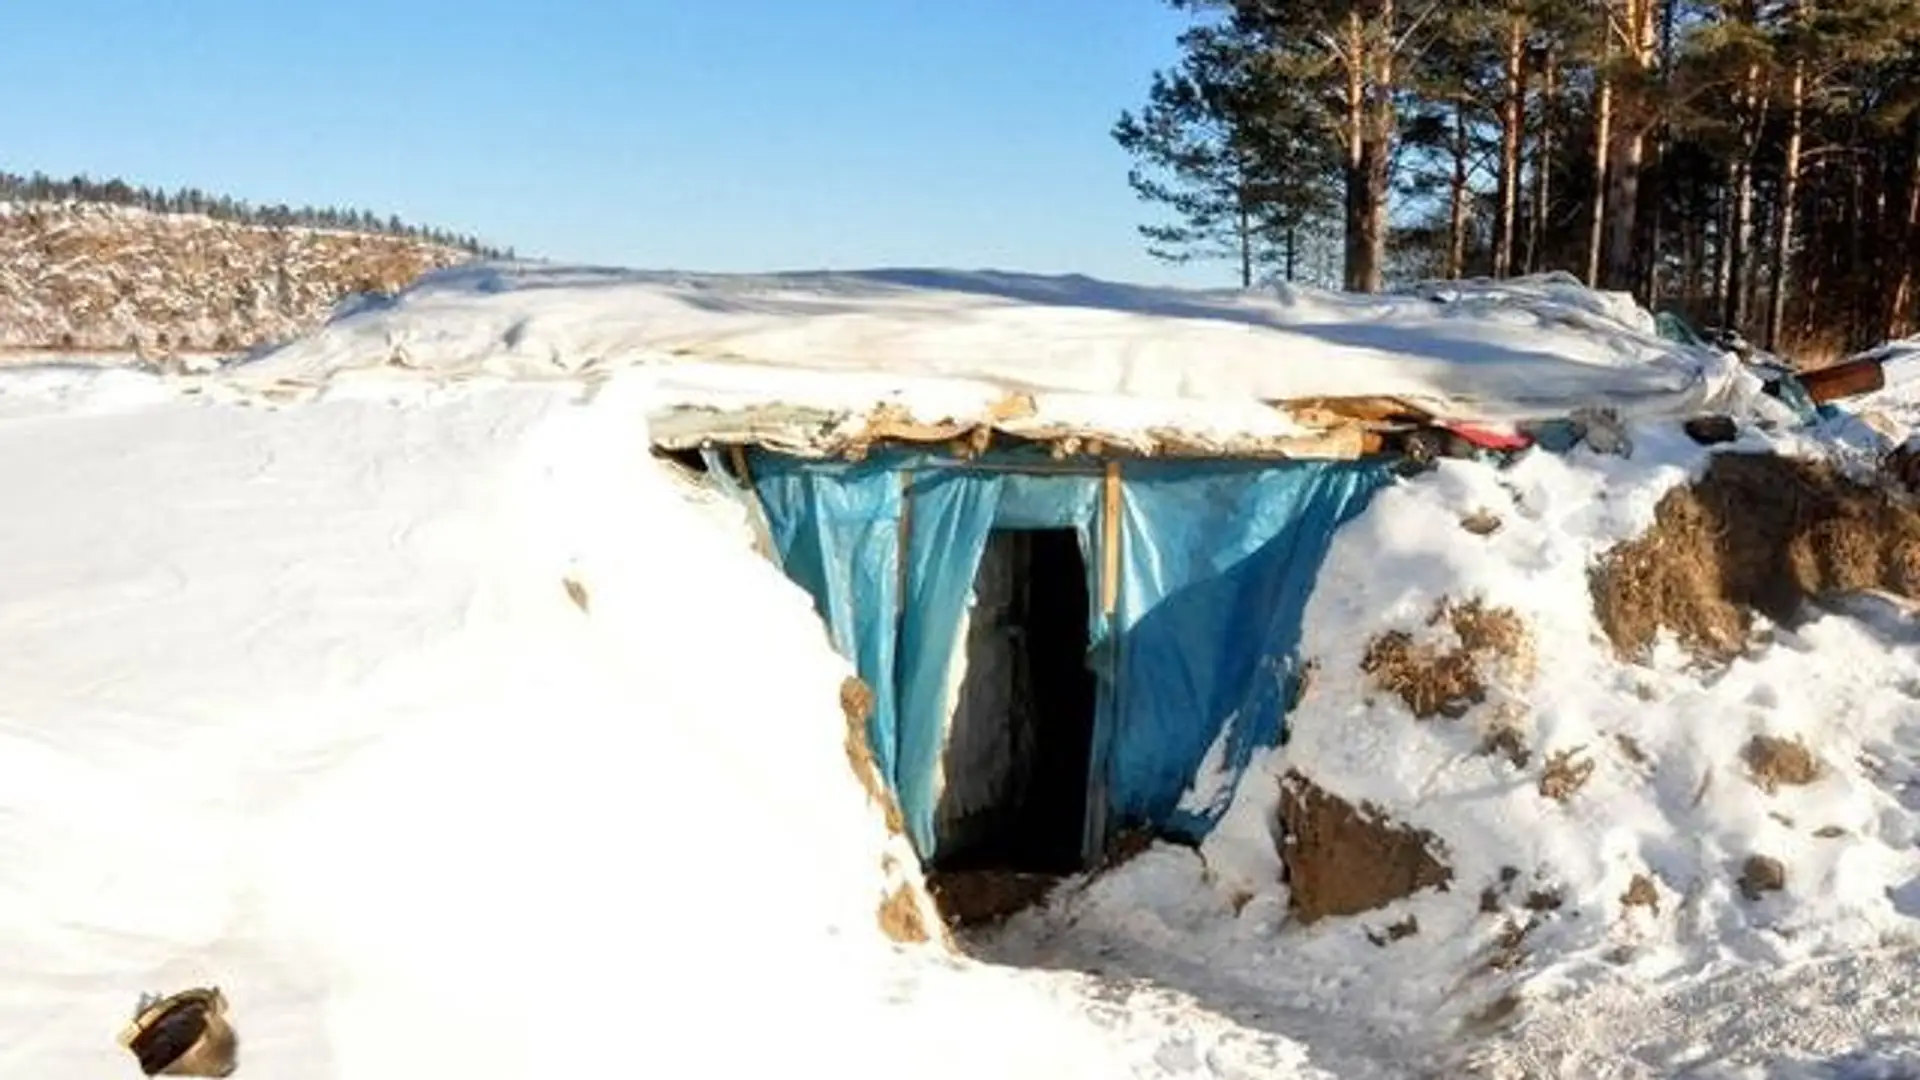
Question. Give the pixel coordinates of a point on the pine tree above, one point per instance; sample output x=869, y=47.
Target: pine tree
x=1226, y=148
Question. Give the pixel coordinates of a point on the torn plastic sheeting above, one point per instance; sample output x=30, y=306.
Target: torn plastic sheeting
x=1217, y=560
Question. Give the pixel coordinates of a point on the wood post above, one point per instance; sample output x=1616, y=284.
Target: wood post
x=1110, y=541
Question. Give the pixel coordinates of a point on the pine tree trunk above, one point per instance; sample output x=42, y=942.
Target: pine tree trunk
x=1356, y=133
x=1370, y=275
x=1602, y=143
x=1513, y=118
x=1625, y=159
x=1900, y=310
x=1457, y=197
x=1627, y=155
x=1733, y=311
x=1370, y=84
x=1543, y=168
x=1783, y=234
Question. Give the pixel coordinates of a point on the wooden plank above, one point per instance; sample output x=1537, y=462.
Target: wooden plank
x=1110, y=542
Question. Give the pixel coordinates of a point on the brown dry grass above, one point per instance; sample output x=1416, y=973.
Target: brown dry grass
x=577, y=593
x=1344, y=860
x=1757, y=533
x=1566, y=773
x=1436, y=679
x=1774, y=762
x=92, y=277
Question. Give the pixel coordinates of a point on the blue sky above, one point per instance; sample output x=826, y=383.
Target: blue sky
x=697, y=134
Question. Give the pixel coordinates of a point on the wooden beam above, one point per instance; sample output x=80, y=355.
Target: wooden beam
x=1110, y=541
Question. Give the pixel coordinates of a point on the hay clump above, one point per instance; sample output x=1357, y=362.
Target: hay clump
x=1774, y=762
x=1565, y=774
x=1436, y=679
x=1757, y=533
x=1344, y=860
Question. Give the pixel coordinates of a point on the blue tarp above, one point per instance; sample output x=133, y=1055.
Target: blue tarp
x=1217, y=560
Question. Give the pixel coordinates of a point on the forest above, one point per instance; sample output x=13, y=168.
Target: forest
x=40, y=187
x=1753, y=165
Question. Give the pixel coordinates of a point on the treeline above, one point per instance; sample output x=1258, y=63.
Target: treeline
x=40, y=187
x=1754, y=164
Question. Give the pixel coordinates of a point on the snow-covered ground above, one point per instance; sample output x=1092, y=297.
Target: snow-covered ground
x=298, y=702
x=1706, y=982
x=451, y=734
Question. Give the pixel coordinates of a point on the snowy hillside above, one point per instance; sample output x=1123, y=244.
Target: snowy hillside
x=87, y=276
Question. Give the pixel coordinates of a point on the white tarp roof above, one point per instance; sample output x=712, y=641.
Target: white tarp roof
x=811, y=350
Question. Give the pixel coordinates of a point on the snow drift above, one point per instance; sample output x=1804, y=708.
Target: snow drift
x=446, y=731
x=405, y=726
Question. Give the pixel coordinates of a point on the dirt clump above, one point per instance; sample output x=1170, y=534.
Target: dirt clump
x=1773, y=762
x=900, y=917
x=1506, y=741
x=976, y=898
x=1545, y=900
x=1762, y=874
x=856, y=703
x=1344, y=860
x=1641, y=893
x=1757, y=533
x=1449, y=679
x=1482, y=523
x=1630, y=747
x=1399, y=931
x=902, y=914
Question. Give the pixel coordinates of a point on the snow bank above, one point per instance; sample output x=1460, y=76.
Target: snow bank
x=945, y=344
x=1597, y=815
x=298, y=702
x=449, y=734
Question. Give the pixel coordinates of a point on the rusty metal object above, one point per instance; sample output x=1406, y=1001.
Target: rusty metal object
x=186, y=1034
x=1855, y=377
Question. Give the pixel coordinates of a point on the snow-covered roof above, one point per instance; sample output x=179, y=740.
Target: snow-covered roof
x=814, y=361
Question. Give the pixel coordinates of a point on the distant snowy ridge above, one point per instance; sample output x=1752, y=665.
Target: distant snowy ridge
x=78, y=276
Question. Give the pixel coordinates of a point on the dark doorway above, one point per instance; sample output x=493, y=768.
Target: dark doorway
x=1019, y=751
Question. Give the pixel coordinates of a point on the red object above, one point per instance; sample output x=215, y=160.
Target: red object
x=1487, y=438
